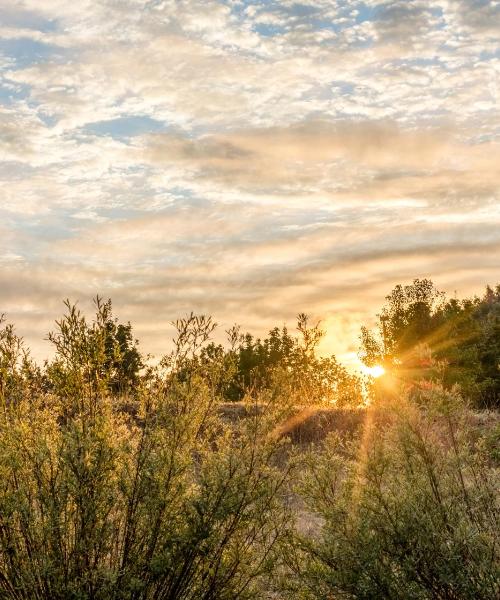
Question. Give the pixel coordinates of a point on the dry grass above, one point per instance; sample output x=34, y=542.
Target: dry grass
x=307, y=424
x=312, y=424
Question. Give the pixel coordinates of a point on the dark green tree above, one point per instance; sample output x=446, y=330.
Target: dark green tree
x=463, y=336
x=102, y=353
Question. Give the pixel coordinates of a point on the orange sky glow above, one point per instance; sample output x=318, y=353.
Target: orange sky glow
x=245, y=159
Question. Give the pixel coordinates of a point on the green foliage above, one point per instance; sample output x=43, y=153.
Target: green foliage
x=126, y=482
x=292, y=363
x=168, y=502
x=99, y=356
x=409, y=510
x=19, y=375
x=464, y=336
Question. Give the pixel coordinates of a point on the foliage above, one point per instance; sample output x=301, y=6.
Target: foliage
x=463, y=335
x=130, y=482
x=19, y=375
x=170, y=502
x=279, y=362
x=99, y=356
x=409, y=510
x=292, y=363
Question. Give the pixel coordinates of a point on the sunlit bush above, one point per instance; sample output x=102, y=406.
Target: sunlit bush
x=120, y=481
x=166, y=502
x=409, y=510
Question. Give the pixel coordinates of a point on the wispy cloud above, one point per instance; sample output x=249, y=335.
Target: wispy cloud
x=246, y=158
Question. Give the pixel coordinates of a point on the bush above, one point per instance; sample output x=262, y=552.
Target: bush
x=410, y=510
x=125, y=483
x=167, y=503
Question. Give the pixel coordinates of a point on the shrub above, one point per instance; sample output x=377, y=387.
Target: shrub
x=410, y=510
x=168, y=503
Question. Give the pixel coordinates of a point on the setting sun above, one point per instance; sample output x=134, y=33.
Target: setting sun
x=249, y=299
x=376, y=371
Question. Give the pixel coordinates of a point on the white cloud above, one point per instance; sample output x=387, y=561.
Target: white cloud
x=311, y=155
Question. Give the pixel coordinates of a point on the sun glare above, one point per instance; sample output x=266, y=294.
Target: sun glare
x=376, y=371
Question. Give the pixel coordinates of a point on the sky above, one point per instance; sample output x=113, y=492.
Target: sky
x=248, y=160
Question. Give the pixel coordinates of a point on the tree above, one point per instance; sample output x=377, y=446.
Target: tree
x=101, y=355
x=463, y=336
x=407, y=318
x=123, y=356
x=291, y=362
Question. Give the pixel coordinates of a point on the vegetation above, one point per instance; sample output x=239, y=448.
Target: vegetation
x=191, y=479
x=258, y=365
x=409, y=509
x=419, y=324
x=95, y=503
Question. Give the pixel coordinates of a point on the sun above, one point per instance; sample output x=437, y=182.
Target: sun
x=375, y=371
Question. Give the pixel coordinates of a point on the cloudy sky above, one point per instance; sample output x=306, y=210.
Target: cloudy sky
x=247, y=159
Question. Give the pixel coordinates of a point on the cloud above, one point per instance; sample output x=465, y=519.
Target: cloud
x=483, y=15
x=331, y=274
x=340, y=160
x=248, y=159
x=369, y=142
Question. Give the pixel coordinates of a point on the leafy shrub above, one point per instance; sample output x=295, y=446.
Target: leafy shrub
x=125, y=482
x=410, y=510
x=168, y=503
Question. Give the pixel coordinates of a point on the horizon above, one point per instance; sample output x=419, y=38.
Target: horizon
x=329, y=345
x=247, y=160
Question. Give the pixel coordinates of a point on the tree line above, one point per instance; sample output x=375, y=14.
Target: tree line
x=122, y=480
x=419, y=332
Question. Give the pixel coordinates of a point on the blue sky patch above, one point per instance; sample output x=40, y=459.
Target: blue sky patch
x=366, y=13
x=27, y=20
x=26, y=52
x=46, y=119
x=268, y=30
x=12, y=92
x=123, y=128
